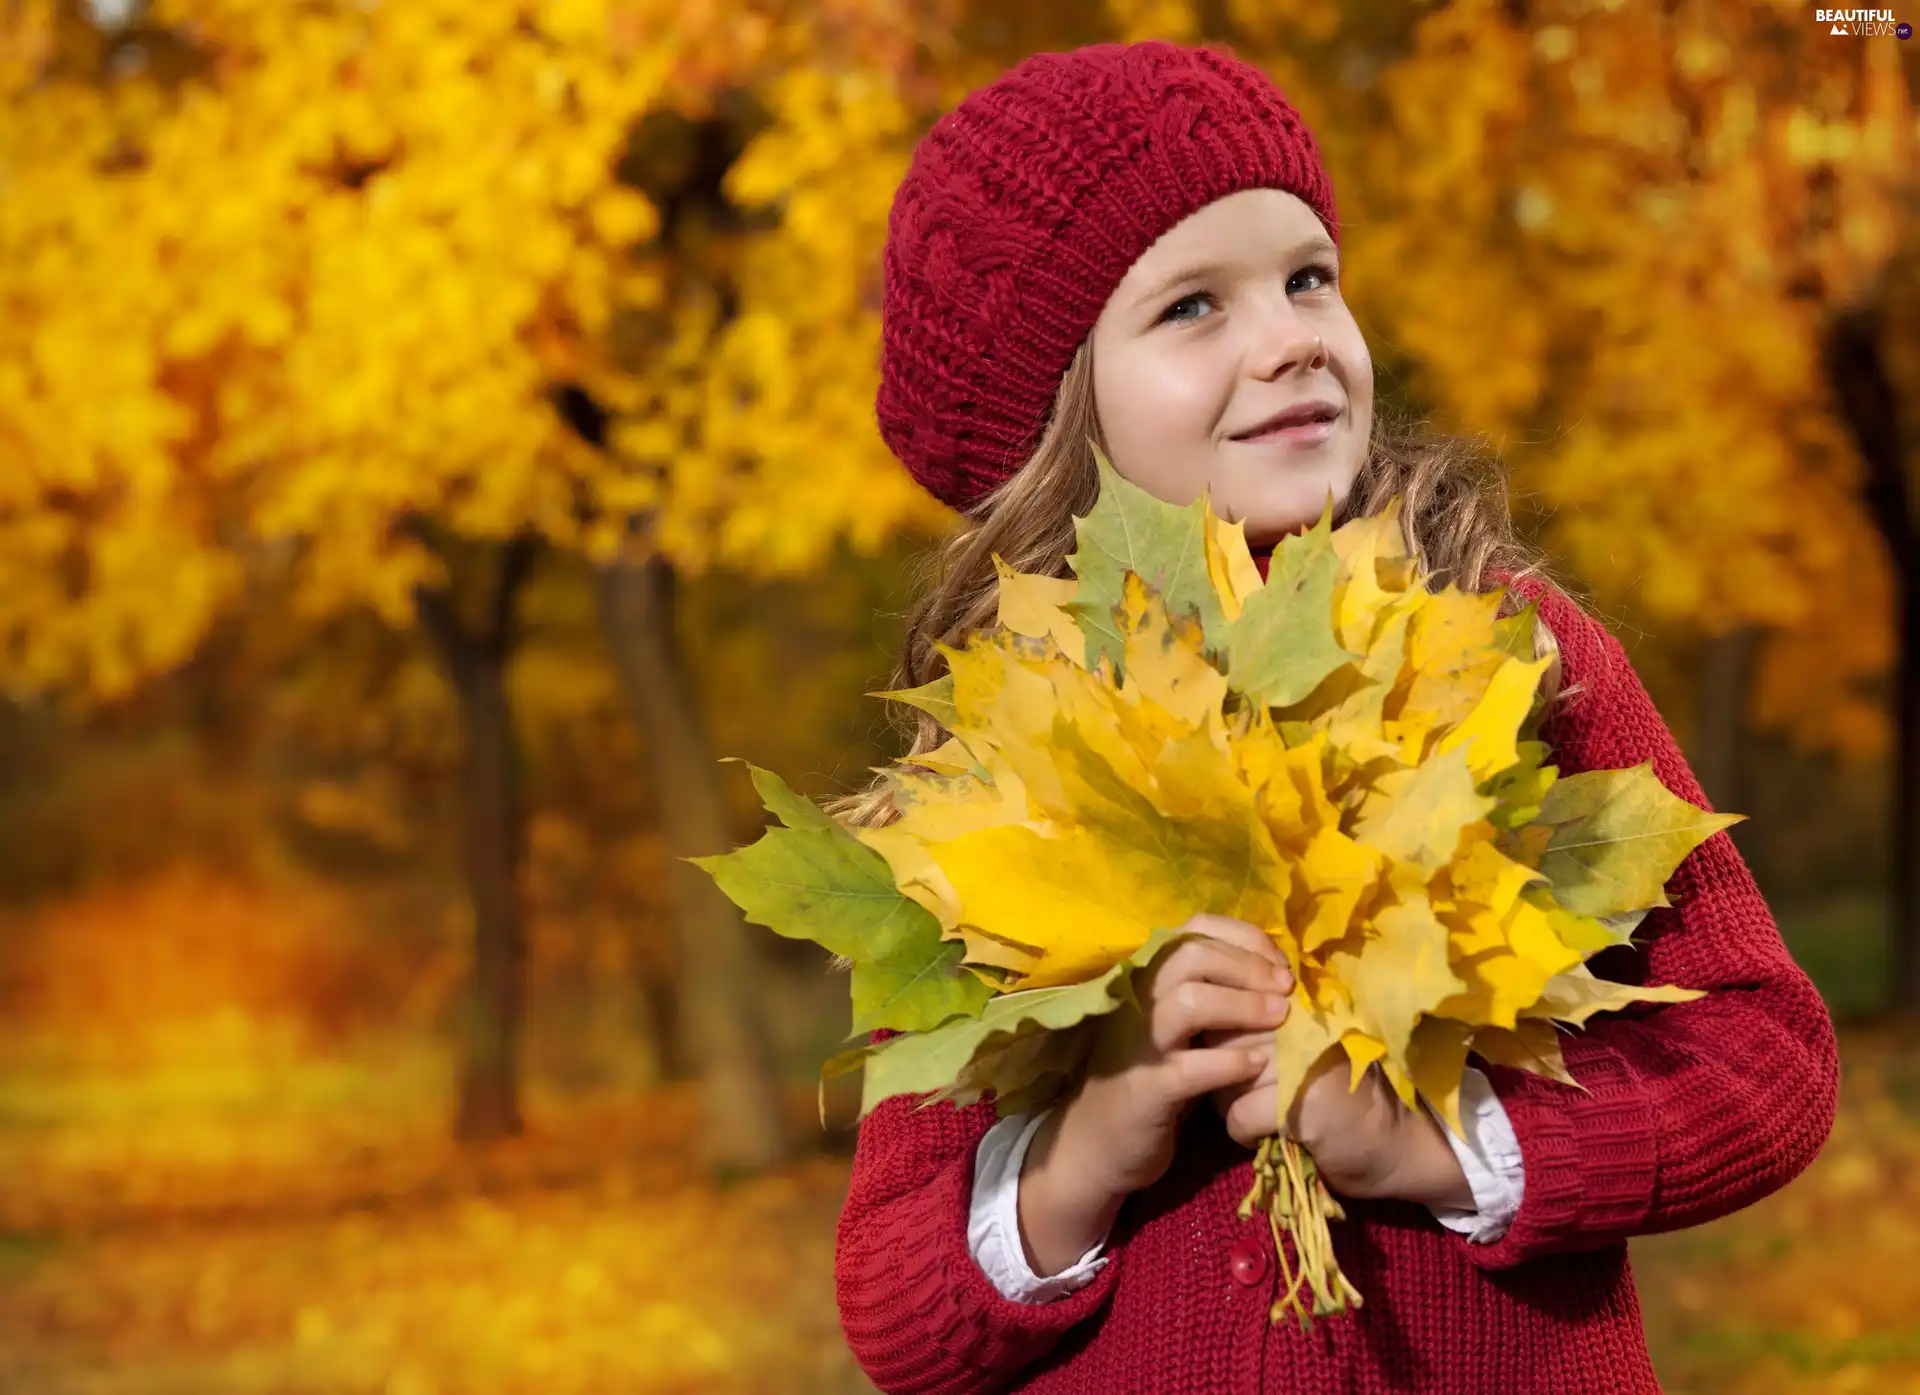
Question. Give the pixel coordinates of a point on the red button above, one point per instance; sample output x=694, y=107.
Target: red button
x=1248, y=1262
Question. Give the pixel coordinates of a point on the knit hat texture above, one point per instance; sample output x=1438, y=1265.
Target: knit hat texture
x=1021, y=211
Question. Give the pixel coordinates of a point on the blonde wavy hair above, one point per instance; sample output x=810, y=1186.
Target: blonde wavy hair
x=1456, y=516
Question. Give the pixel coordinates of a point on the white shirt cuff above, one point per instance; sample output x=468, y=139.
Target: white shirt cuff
x=1490, y=1156
x=993, y=1221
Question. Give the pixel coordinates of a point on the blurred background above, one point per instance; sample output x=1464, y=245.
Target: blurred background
x=433, y=432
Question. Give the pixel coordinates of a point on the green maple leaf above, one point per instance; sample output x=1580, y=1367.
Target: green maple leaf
x=1130, y=530
x=963, y=1058
x=1584, y=933
x=1282, y=646
x=1618, y=836
x=818, y=882
x=792, y=809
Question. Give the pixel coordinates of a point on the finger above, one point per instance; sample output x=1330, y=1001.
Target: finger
x=1197, y=1006
x=1187, y=1075
x=1217, y=961
x=1234, y=931
x=1248, y=1039
x=1251, y=1041
x=1227, y=1096
x=1254, y=1115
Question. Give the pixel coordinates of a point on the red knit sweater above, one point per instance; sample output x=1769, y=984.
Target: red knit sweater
x=1691, y=1111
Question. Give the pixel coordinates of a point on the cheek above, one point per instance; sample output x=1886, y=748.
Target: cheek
x=1357, y=368
x=1158, y=413
x=1362, y=391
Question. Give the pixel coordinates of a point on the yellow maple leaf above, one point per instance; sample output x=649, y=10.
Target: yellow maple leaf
x=1230, y=565
x=1165, y=665
x=950, y=756
x=1035, y=606
x=1450, y=655
x=1362, y=1051
x=1576, y=995
x=1420, y=815
x=1360, y=600
x=1337, y=872
x=1487, y=877
x=1300, y=1042
x=1533, y=1045
x=1399, y=972
x=1491, y=731
x=1437, y=1060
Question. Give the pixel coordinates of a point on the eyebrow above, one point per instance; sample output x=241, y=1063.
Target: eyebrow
x=1316, y=245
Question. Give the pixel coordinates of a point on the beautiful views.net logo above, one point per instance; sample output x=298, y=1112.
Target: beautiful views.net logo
x=1863, y=23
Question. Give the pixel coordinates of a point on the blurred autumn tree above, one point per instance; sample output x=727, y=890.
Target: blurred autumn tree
x=346, y=305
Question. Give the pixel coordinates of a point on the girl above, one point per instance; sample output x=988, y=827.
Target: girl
x=1137, y=244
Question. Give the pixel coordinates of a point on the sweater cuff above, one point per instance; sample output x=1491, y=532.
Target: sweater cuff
x=1592, y=1159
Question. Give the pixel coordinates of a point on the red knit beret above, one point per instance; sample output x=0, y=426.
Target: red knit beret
x=1023, y=209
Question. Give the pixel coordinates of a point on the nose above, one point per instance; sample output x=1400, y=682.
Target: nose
x=1283, y=340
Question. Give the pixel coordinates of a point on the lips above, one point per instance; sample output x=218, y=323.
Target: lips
x=1300, y=414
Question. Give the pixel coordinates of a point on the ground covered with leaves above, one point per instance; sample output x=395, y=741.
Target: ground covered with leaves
x=308, y=1229
x=327, y=1238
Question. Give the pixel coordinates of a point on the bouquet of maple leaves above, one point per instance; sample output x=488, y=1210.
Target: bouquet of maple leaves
x=1341, y=755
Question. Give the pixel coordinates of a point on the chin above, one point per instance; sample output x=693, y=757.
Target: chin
x=1267, y=526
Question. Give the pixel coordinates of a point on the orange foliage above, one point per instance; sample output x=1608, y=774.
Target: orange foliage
x=188, y=967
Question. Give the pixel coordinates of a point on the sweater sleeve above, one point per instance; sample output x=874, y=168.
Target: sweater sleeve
x=920, y=1316
x=1692, y=1110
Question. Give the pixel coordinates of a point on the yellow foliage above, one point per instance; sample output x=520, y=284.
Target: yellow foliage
x=261, y=316
x=1660, y=215
x=1105, y=810
x=330, y=280
x=1147, y=744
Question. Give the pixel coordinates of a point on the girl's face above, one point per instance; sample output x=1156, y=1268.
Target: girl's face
x=1227, y=359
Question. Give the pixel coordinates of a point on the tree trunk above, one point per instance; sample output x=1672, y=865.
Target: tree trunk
x=1858, y=375
x=722, y=1001
x=1720, y=749
x=474, y=657
x=660, y=1019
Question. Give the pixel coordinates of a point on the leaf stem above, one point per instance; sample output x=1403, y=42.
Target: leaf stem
x=1288, y=1187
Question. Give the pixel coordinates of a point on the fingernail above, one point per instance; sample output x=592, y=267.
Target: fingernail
x=1284, y=978
x=1257, y=1058
x=1276, y=1004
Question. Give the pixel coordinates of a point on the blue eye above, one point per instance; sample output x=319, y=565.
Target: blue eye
x=1173, y=311
x=1328, y=276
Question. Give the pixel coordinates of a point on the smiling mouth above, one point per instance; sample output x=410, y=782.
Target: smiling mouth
x=1302, y=423
x=1300, y=433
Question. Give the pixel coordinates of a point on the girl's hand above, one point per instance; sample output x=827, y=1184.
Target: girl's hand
x=1116, y=1134
x=1364, y=1141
